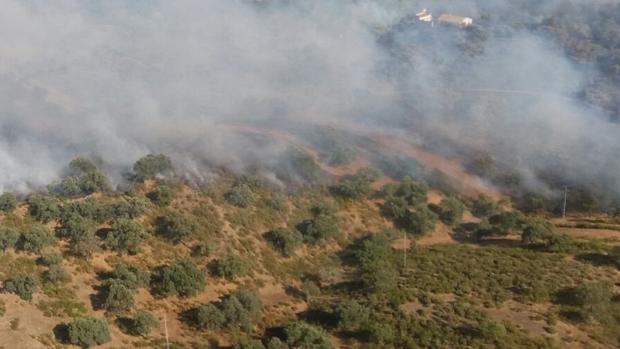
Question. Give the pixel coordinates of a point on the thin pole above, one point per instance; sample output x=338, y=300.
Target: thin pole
x=564, y=206
x=166, y=331
x=405, y=250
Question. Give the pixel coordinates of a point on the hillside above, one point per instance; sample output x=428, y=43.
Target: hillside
x=357, y=263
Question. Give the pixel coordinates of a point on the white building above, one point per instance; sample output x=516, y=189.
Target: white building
x=455, y=20
x=424, y=16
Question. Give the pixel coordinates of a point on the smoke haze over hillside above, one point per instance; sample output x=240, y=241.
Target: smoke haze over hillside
x=118, y=80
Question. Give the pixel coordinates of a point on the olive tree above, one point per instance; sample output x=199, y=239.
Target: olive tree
x=23, y=285
x=284, y=240
x=152, y=166
x=117, y=297
x=8, y=238
x=174, y=226
x=88, y=331
x=182, y=278
x=125, y=236
x=143, y=323
x=230, y=267
x=8, y=202
x=35, y=238
x=303, y=335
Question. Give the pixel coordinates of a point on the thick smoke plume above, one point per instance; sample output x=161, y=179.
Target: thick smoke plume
x=117, y=80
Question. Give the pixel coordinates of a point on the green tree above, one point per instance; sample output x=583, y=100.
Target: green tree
x=356, y=186
x=323, y=225
x=117, y=297
x=303, y=335
x=50, y=259
x=241, y=309
x=410, y=190
x=537, y=231
x=248, y=343
x=143, y=323
x=8, y=202
x=491, y=330
x=88, y=331
x=451, y=210
x=381, y=333
x=420, y=222
x=175, y=226
x=43, y=208
x=182, y=278
x=208, y=316
x=80, y=232
x=395, y=207
x=130, y=207
x=131, y=276
x=483, y=207
x=153, y=166
x=593, y=301
x=507, y=222
x=8, y=238
x=284, y=240
x=23, y=285
x=240, y=195
x=203, y=249
x=374, y=257
x=351, y=315
x=35, y=238
x=83, y=177
x=162, y=195
x=276, y=343
x=126, y=236
x=230, y=267
x=56, y=274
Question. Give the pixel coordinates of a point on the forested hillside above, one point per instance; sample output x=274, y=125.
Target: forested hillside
x=362, y=260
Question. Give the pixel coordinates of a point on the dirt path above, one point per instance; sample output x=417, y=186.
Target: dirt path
x=590, y=233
